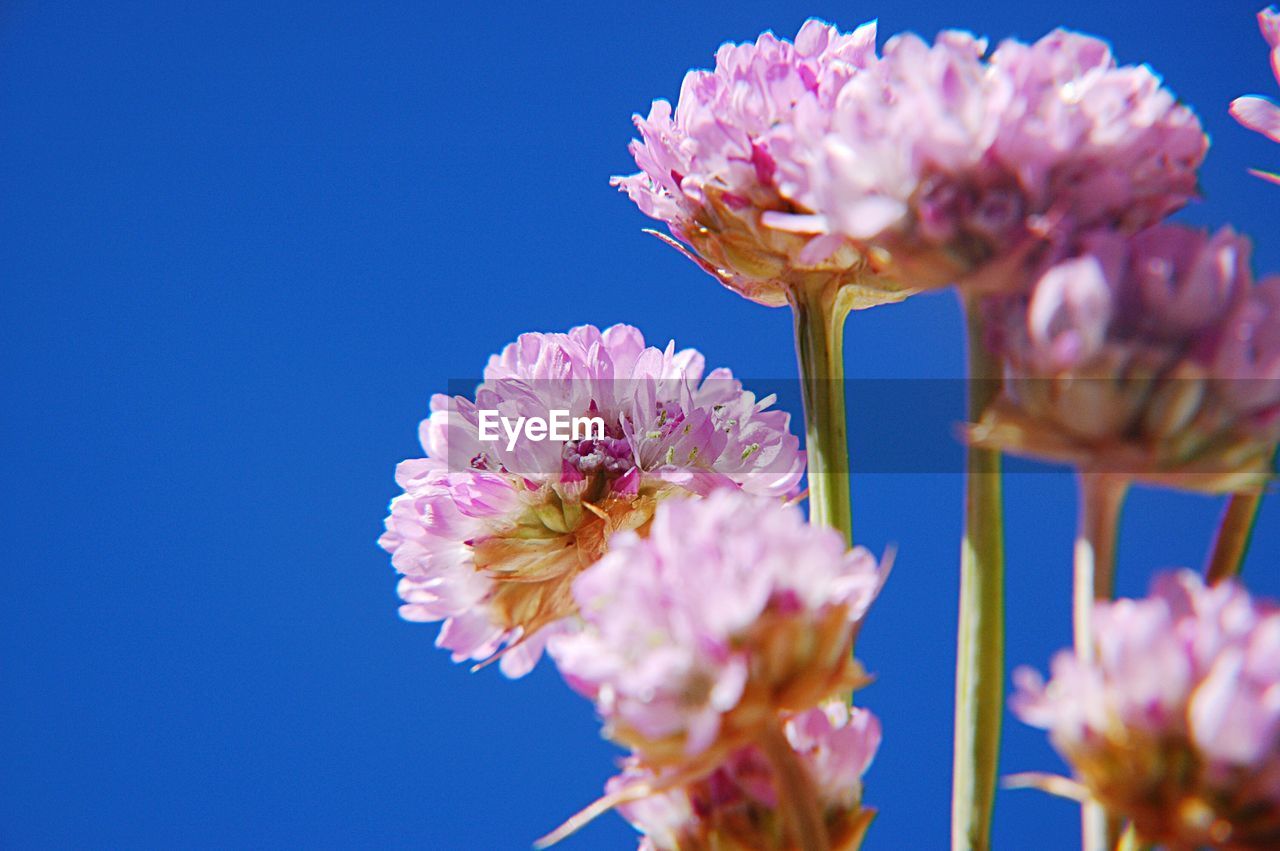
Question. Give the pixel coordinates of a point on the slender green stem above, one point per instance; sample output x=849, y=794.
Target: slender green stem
x=980, y=640
x=1234, y=533
x=797, y=799
x=820, y=317
x=1101, y=500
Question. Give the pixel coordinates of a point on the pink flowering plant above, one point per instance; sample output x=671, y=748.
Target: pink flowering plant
x=702, y=638
x=731, y=583
x=489, y=535
x=708, y=167
x=736, y=806
x=1173, y=721
x=640, y=517
x=710, y=172
x=911, y=168
x=948, y=157
x=1149, y=357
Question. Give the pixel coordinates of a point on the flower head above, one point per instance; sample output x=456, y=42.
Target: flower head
x=736, y=806
x=711, y=168
x=1149, y=356
x=1175, y=723
x=490, y=534
x=731, y=610
x=1258, y=113
x=818, y=160
x=948, y=157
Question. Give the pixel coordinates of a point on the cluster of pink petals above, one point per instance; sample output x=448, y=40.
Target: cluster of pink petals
x=1160, y=340
x=947, y=145
x=1168, y=286
x=1254, y=111
x=734, y=805
x=533, y=510
x=1183, y=687
x=672, y=642
x=666, y=417
x=944, y=146
x=721, y=131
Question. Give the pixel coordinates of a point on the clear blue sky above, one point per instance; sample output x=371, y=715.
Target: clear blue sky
x=239, y=248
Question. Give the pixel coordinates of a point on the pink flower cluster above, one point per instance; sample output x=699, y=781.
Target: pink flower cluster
x=948, y=145
x=713, y=628
x=708, y=167
x=1154, y=355
x=736, y=806
x=727, y=120
x=944, y=155
x=1175, y=723
x=1258, y=113
x=489, y=536
x=731, y=609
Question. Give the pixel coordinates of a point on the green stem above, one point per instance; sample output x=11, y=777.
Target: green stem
x=1234, y=533
x=980, y=639
x=1101, y=500
x=819, y=317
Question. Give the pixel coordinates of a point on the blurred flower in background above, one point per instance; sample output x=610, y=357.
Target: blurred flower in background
x=1155, y=357
x=1175, y=722
x=1254, y=111
x=948, y=157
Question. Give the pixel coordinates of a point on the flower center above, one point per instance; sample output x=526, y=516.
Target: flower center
x=610, y=457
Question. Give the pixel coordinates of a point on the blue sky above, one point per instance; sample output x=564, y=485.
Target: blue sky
x=242, y=245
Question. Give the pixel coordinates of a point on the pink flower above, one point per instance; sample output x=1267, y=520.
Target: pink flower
x=837, y=744
x=719, y=133
x=490, y=534
x=732, y=609
x=948, y=156
x=1176, y=722
x=736, y=806
x=713, y=165
x=1248, y=354
x=1258, y=113
x=818, y=161
x=1152, y=355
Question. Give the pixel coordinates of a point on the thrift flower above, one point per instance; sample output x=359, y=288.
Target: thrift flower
x=818, y=160
x=736, y=807
x=1176, y=722
x=491, y=534
x=1254, y=111
x=731, y=610
x=711, y=169
x=949, y=157
x=1152, y=357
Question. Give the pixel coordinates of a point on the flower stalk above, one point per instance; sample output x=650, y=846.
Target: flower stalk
x=1101, y=500
x=980, y=638
x=820, y=312
x=1231, y=542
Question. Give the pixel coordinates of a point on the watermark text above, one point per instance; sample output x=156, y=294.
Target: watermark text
x=558, y=425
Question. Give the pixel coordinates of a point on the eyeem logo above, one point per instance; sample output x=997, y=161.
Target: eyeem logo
x=560, y=426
